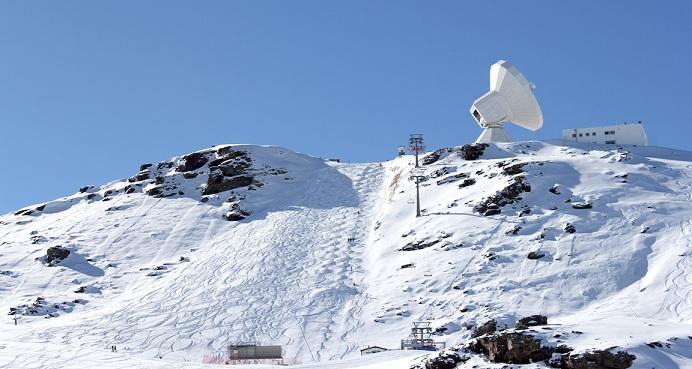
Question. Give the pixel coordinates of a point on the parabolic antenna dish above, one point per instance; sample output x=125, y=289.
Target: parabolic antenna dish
x=510, y=99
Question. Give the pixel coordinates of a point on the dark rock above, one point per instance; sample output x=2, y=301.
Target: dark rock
x=141, y=176
x=513, y=231
x=159, y=180
x=84, y=189
x=418, y=245
x=490, y=255
x=440, y=330
x=507, y=195
x=405, y=266
x=218, y=183
x=444, y=360
x=24, y=212
x=233, y=217
x=37, y=239
x=513, y=169
x=191, y=162
x=486, y=328
x=432, y=157
x=452, y=178
x=204, y=199
x=442, y=172
x=535, y=255
x=582, y=205
x=163, y=165
x=189, y=175
x=473, y=151
x=233, y=169
x=599, y=359
x=492, y=212
x=532, y=321
x=524, y=211
x=554, y=190
x=155, y=191
x=277, y=171
x=56, y=254
x=145, y=166
x=511, y=347
x=129, y=189
x=81, y=289
x=467, y=182
x=569, y=228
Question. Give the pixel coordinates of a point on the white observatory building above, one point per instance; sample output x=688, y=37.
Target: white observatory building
x=510, y=99
x=621, y=134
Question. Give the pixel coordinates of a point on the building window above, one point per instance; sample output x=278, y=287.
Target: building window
x=587, y=134
x=607, y=133
x=611, y=142
x=593, y=134
x=574, y=135
x=580, y=135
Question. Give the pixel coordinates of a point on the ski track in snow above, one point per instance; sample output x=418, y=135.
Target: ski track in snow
x=281, y=278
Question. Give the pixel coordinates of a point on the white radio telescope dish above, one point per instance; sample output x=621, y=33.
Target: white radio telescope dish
x=510, y=99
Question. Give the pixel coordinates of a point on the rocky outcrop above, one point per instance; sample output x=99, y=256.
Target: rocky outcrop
x=434, y=156
x=532, y=321
x=473, y=151
x=467, y=182
x=507, y=195
x=511, y=170
x=452, y=178
x=569, y=228
x=236, y=213
x=513, y=231
x=511, y=348
x=41, y=307
x=519, y=347
x=56, y=254
x=418, y=245
x=191, y=162
x=447, y=359
x=219, y=183
x=468, y=152
x=599, y=359
x=486, y=328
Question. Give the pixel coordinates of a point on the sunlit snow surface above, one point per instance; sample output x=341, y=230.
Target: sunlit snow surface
x=287, y=275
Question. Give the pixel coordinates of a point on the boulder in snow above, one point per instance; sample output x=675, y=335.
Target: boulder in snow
x=535, y=255
x=56, y=254
x=532, y=321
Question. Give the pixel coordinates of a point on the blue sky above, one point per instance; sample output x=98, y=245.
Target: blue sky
x=91, y=89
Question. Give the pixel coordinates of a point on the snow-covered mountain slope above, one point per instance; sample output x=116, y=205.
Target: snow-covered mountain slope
x=252, y=243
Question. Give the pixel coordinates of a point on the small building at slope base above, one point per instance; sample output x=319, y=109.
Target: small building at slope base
x=620, y=134
x=372, y=350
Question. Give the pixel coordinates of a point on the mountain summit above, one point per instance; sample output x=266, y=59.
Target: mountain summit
x=245, y=243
